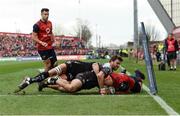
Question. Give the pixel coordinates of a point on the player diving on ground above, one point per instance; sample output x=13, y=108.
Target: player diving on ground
x=73, y=68
x=115, y=83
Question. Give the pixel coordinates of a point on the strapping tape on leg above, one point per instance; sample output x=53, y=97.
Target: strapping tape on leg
x=58, y=70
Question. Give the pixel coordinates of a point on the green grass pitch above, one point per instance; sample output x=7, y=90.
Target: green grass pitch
x=52, y=102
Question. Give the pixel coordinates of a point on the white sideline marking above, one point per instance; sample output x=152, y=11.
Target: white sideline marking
x=161, y=102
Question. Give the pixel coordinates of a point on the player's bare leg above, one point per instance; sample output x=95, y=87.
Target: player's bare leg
x=70, y=87
x=171, y=64
x=47, y=65
x=61, y=89
x=58, y=70
x=63, y=85
x=174, y=64
x=73, y=86
x=46, y=84
x=57, y=87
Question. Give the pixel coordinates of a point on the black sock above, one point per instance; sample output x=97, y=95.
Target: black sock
x=45, y=84
x=53, y=81
x=42, y=76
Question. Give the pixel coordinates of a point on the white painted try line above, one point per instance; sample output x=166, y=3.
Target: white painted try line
x=161, y=102
x=79, y=95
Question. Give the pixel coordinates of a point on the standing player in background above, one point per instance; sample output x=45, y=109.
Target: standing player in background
x=43, y=36
x=171, y=46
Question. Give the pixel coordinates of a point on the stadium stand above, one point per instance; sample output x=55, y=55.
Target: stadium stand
x=17, y=44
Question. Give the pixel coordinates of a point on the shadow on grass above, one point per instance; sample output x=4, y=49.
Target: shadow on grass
x=49, y=92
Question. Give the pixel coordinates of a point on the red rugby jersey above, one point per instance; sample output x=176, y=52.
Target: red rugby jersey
x=44, y=32
x=119, y=78
x=171, y=45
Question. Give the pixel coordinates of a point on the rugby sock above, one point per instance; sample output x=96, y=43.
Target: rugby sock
x=52, y=81
x=45, y=84
x=40, y=77
x=171, y=67
x=138, y=73
x=174, y=65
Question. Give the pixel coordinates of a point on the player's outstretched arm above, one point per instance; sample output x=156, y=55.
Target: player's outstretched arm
x=100, y=77
x=95, y=67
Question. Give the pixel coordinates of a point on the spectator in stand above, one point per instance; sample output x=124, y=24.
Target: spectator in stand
x=171, y=46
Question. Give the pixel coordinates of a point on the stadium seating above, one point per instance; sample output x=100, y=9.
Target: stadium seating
x=14, y=45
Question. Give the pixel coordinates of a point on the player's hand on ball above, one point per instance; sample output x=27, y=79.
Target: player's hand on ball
x=112, y=90
x=102, y=91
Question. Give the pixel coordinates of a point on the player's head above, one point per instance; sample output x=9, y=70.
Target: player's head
x=44, y=14
x=123, y=84
x=170, y=36
x=115, y=62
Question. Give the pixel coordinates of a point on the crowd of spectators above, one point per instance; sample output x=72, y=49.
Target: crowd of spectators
x=71, y=44
x=14, y=45
x=73, y=52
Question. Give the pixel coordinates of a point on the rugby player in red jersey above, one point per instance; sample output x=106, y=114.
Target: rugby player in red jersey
x=125, y=84
x=43, y=36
